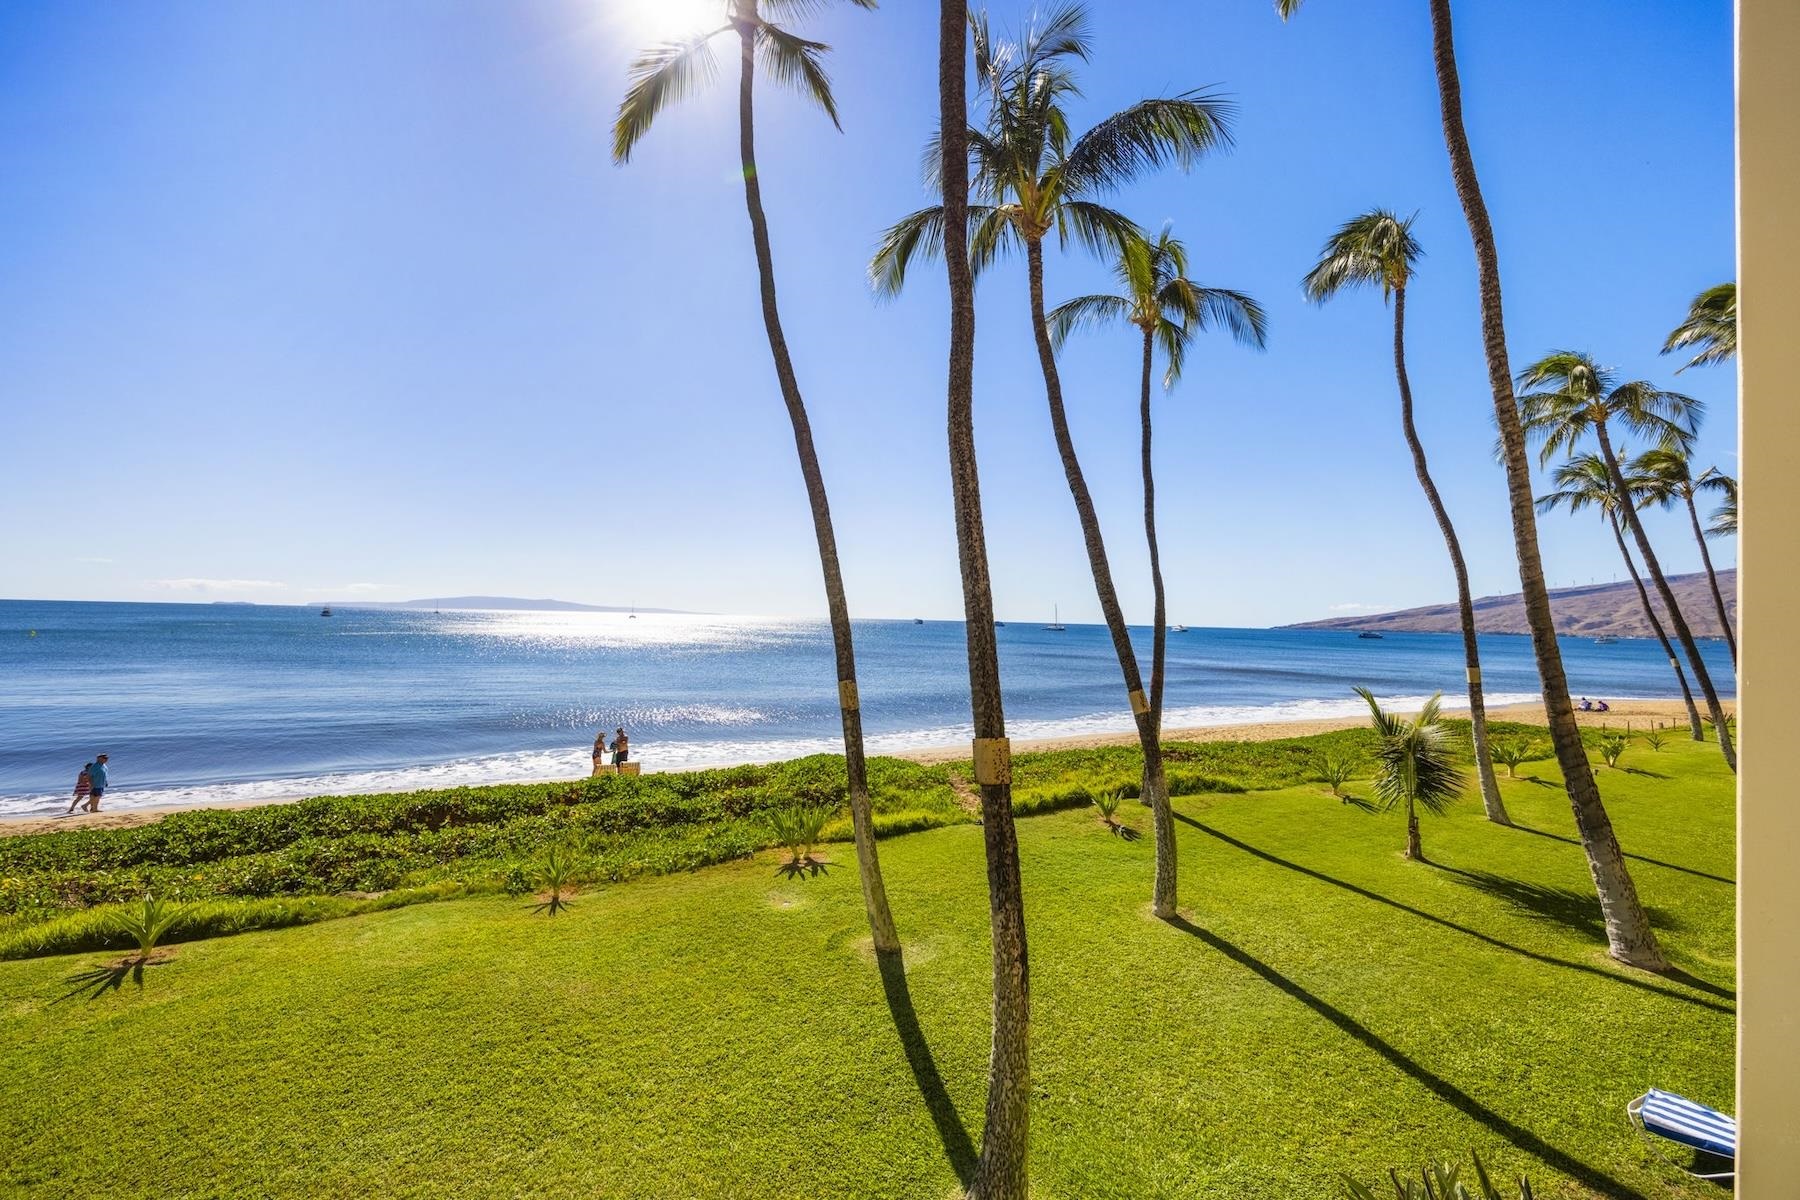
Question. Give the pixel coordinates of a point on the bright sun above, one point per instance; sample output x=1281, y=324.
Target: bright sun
x=661, y=20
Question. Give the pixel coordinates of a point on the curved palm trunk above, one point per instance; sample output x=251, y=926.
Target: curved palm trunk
x=1159, y=637
x=881, y=920
x=1676, y=620
x=1628, y=934
x=1465, y=605
x=1163, y=895
x=1687, y=695
x=1414, y=850
x=1712, y=577
x=1002, y=1171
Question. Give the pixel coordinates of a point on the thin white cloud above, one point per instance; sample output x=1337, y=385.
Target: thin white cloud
x=343, y=589
x=216, y=585
x=1354, y=606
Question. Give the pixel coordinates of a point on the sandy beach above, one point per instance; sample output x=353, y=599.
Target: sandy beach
x=1638, y=712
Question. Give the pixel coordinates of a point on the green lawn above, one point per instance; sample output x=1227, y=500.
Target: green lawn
x=1324, y=1006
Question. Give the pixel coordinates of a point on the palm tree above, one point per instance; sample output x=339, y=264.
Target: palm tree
x=1670, y=478
x=661, y=76
x=1711, y=325
x=1580, y=397
x=1628, y=934
x=1377, y=249
x=1415, y=765
x=1724, y=518
x=1036, y=180
x=1583, y=480
x=1002, y=1168
x=1168, y=309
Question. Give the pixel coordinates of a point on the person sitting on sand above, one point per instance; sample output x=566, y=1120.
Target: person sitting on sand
x=1586, y=705
x=621, y=746
x=1601, y=706
x=84, y=783
x=96, y=783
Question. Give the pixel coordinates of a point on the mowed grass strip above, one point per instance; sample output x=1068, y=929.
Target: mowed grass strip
x=1323, y=1006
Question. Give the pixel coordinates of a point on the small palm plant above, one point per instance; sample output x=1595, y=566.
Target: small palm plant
x=799, y=827
x=1335, y=769
x=1415, y=765
x=1439, y=1181
x=1107, y=804
x=1654, y=739
x=555, y=879
x=146, y=922
x=1510, y=755
x=1612, y=748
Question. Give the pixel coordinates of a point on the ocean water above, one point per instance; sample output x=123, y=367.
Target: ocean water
x=200, y=704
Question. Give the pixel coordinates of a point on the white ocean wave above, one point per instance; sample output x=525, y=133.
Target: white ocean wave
x=530, y=766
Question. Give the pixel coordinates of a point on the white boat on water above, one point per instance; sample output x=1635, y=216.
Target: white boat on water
x=1055, y=625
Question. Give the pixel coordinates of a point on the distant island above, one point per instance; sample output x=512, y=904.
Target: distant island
x=502, y=603
x=1610, y=608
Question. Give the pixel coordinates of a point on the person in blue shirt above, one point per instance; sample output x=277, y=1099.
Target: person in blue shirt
x=96, y=783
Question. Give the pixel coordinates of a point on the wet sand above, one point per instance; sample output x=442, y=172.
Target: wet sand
x=1640, y=713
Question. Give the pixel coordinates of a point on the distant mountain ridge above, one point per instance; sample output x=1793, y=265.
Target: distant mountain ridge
x=1610, y=608
x=498, y=603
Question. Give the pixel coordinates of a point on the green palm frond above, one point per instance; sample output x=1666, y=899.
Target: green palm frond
x=1577, y=394
x=1145, y=136
x=1101, y=229
x=921, y=234
x=1086, y=312
x=796, y=62
x=1063, y=32
x=798, y=10
x=1710, y=326
x=1234, y=312
x=1725, y=517
x=1416, y=761
x=1375, y=249
x=660, y=76
x=1287, y=8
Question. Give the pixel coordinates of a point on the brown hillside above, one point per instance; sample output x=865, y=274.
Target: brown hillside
x=1601, y=608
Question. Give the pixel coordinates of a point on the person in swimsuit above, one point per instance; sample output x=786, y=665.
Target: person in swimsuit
x=621, y=746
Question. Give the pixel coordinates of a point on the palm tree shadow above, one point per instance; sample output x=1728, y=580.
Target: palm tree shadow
x=1570, y=907
x=98, y=981
x=1539, y=780
x=1124, y=833
x=1655, y=862
x=804, y=868
x=1357, y=802
x=1641, y=771
x=1440, y=1087
x=1488, y=939
x=957, y=1145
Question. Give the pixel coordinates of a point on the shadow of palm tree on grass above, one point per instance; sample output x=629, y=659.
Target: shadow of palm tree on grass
x=1437, y=1085
x=1569, y=907
x=804, y=868
x=958, y=1146
x=1646, y=985
x=1655, y=862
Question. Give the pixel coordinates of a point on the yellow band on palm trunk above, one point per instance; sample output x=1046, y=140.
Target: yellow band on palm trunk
x=993, y=761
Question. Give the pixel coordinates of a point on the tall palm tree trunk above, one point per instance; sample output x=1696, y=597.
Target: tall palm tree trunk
x=1712, y=577
x=1002, y=1169
x=1159, y=636
x=1415, y=849
x=1678, y=622
x=1628, y=934
x=881, y=920
x=1465, y=606
x=1163, y=894
x=1687, y=695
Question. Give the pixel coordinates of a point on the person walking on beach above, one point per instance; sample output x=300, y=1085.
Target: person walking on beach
x=96, y=783
x=621, y=747
x=84, y=784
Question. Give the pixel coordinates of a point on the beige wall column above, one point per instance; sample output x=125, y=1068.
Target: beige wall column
x=1768, y=49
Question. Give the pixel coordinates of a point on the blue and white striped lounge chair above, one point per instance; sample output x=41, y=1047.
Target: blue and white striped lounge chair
x=1679, y=1120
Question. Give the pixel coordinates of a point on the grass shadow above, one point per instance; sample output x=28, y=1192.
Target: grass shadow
x=804, y=868
x=1655, y=862
x=1641, y=771
x=1540, y=781
x=1443, y=1089
x=98, y=981
x=958, y=1146
x=1488, y=939
x=1124, y=833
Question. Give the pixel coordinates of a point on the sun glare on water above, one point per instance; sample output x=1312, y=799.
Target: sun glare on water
x=667, y=20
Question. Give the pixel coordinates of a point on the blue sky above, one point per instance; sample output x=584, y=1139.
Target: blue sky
x=340, y=300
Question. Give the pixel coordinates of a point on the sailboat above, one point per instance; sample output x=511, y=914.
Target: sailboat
x=325, y=612
x=1055, y=625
